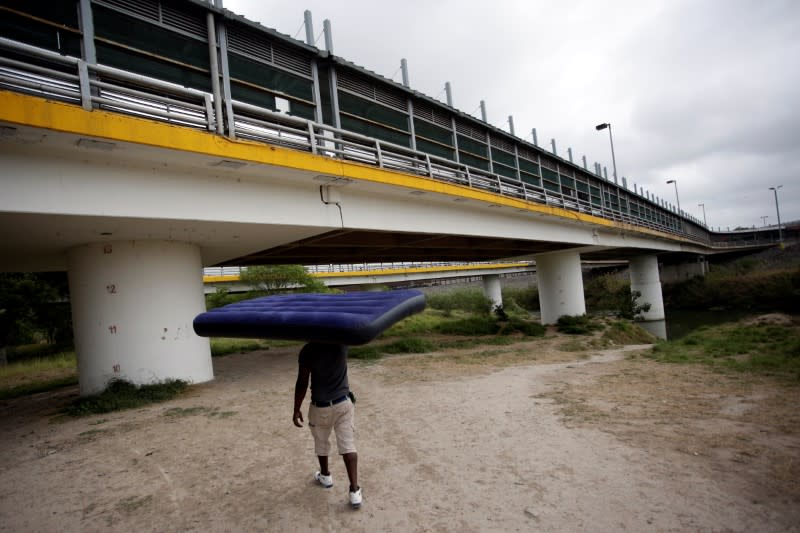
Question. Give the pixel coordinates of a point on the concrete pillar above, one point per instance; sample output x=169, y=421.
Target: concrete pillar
x=133, y=303
x=493, y=290
x=560, y=285
x=645, y=279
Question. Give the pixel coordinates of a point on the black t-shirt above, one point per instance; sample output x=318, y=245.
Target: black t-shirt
x=328, y=365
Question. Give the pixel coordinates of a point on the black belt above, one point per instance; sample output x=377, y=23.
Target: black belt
x=328, y=404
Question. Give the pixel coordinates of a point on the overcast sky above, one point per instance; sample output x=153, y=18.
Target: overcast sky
x=706, y=92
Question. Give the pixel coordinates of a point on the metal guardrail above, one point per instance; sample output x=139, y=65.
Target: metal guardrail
x=362, y=267
x=95, y=86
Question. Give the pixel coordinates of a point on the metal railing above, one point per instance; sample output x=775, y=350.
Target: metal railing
x=357, y=268
x=94, y=86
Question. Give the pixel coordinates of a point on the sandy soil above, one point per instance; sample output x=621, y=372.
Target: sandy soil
x=514, y=438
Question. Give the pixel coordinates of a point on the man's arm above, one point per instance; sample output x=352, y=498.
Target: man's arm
x=299, y=394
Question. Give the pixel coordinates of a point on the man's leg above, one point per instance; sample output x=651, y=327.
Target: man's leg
x=351, y=465
x=323, y=465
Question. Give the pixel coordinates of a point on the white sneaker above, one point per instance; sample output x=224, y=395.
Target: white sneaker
x=355, y=498
x=325, y=481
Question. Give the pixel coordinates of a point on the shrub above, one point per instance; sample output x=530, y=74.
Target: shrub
x=526, y=298
x=576, y=325
x=467, y=300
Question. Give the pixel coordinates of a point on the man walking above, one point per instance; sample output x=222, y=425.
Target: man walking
x=331, y=408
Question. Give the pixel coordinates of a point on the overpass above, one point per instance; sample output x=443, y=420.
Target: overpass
x=141, y=141
x=372, y=274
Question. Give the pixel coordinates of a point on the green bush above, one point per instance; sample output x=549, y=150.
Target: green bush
x=524, y=298
x=467, y=300
x=725, y=288
x=576, y=325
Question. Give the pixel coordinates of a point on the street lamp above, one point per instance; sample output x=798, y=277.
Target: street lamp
x=764, y=220
x=704, y=214
x=778, y=211
x=603, y=126
x=675, y=182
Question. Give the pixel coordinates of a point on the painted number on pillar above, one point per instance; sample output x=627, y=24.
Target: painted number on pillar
x=112, y=330
x=116, y=369
x=107, y=249
x=112, y=289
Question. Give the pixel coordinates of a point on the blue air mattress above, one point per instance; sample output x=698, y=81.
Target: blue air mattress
x=352, y=318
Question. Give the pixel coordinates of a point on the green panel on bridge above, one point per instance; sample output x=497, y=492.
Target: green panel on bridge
x=435, y=149
x=266, y=99
x=533, y=180
x=371, y=111
x=434, y=133
x=147, y=37
x=62, y=12
x=253, y=96
x=550, y=186
x=271, y=78
x=131, y=61
x=503, y=170
x=301, y=109
x=471, y=160
x=527, y=166
x=26, y=30
x=472, y=146
x=503, y=157
x=374, y=130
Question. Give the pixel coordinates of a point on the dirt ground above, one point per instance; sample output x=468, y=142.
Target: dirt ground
x=523, y=437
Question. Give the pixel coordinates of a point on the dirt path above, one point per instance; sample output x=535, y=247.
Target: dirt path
x=531, y=439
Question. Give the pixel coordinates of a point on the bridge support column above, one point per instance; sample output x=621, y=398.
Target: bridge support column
x=133, y=303
x=493, y=290
x=645, y=279
x=560, y=285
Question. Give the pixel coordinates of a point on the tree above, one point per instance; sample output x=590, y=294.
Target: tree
x=31, y=306
x=272, y=279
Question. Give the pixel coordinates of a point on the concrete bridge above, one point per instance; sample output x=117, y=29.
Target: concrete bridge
x=142, y=141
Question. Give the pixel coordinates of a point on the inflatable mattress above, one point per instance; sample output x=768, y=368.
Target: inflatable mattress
x=352, y=318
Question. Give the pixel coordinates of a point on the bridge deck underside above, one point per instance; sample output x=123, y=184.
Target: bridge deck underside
x=346, y=246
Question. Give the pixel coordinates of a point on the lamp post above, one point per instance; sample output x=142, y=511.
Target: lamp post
x=675, y=182
x=764, y=220
x=603, y=126
x=704, y=214
x=778, y=211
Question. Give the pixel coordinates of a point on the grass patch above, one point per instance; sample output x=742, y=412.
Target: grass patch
x=221, y=346
x=42, y=374
x=760, y=349
x=122, y=394
x=182, y=412
x=622, y=332
x=418, y=324
x=35, y=388
x=365, y=353
x=472, y=325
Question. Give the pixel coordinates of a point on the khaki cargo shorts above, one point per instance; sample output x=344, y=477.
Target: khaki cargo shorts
x=341, y=419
